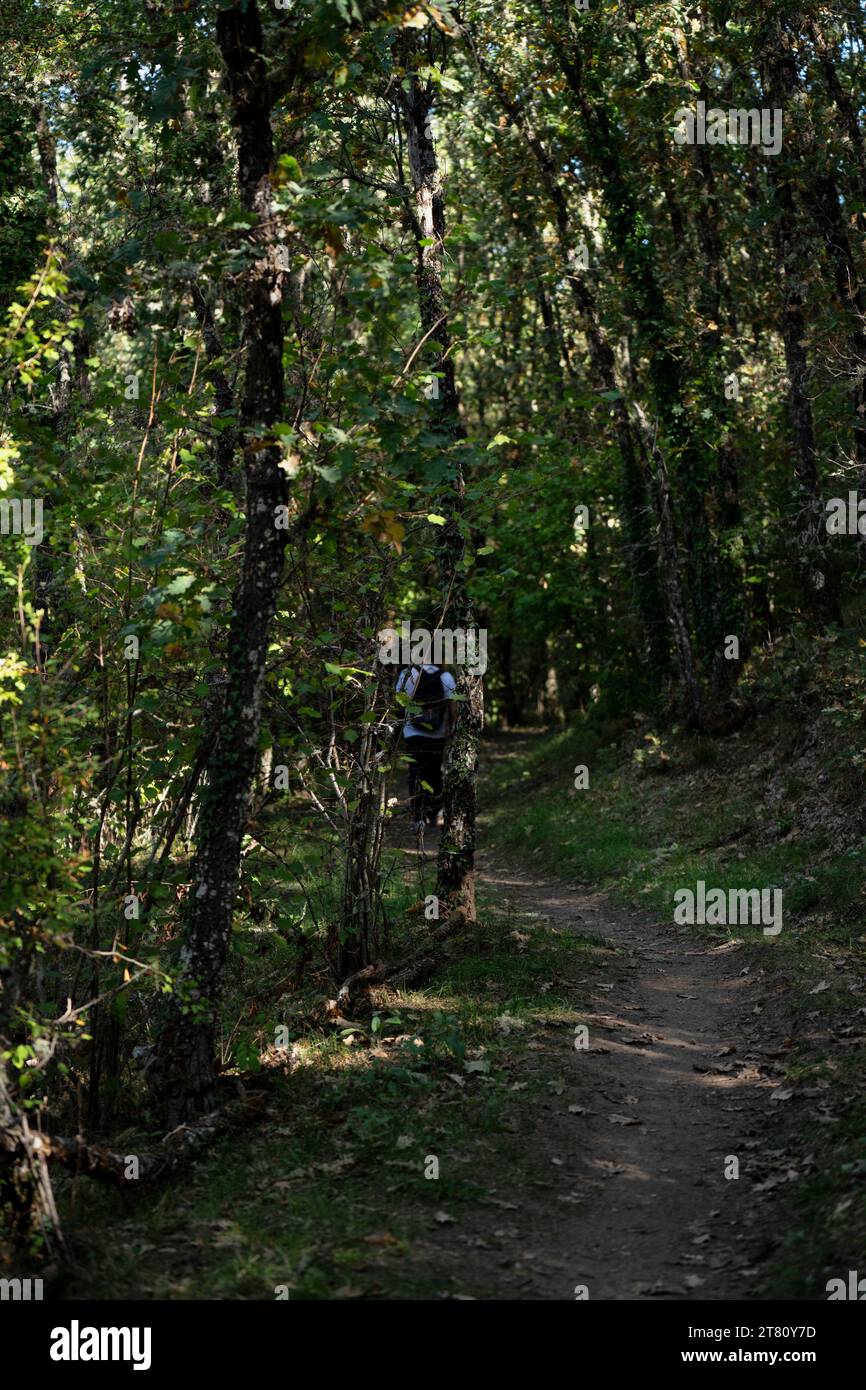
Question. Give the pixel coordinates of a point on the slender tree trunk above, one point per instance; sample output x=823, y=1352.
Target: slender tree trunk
x=225, y=443
x=655, y=465
x=828, y=205
x=820, y=581
x=512, y=707
x=634, y=435
x=47, y=147
x=849, y=292
x=456, y=864
x=824, y=198
x=185, y=1072
x=631, y=236
x=846, y=107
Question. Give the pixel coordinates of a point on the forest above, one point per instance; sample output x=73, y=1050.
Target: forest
x=520, y=343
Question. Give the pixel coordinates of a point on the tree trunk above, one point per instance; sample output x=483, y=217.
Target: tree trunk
x=631, y=237
x=819, y=578
x=634, y=435
x=185, y=1065
x=456, y=863
x=844, y=105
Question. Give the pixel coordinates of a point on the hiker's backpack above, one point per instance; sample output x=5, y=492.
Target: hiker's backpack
x=429, y=693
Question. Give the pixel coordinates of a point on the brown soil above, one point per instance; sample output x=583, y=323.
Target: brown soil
x=680, y=1043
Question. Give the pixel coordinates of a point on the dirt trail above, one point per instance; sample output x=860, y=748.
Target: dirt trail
x=633, y=1210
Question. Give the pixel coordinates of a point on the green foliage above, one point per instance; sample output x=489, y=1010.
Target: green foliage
x=126, y=254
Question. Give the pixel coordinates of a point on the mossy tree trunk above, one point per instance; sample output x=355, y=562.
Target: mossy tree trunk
x=186, y=1054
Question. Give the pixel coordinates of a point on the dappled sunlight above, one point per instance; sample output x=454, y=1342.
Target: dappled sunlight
x=607, y=1168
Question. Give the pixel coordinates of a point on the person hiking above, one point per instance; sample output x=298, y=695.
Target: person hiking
x=425, y=732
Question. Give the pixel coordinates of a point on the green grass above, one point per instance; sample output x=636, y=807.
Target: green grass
x=327, y=1192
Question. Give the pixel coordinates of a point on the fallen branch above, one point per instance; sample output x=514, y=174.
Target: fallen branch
x=104, y=1164
x=398, y=973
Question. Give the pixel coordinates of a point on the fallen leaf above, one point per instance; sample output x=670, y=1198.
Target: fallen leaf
x=507, y=1024
x=381, y=1238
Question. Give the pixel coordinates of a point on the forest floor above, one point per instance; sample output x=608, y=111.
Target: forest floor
x=464, y=1147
